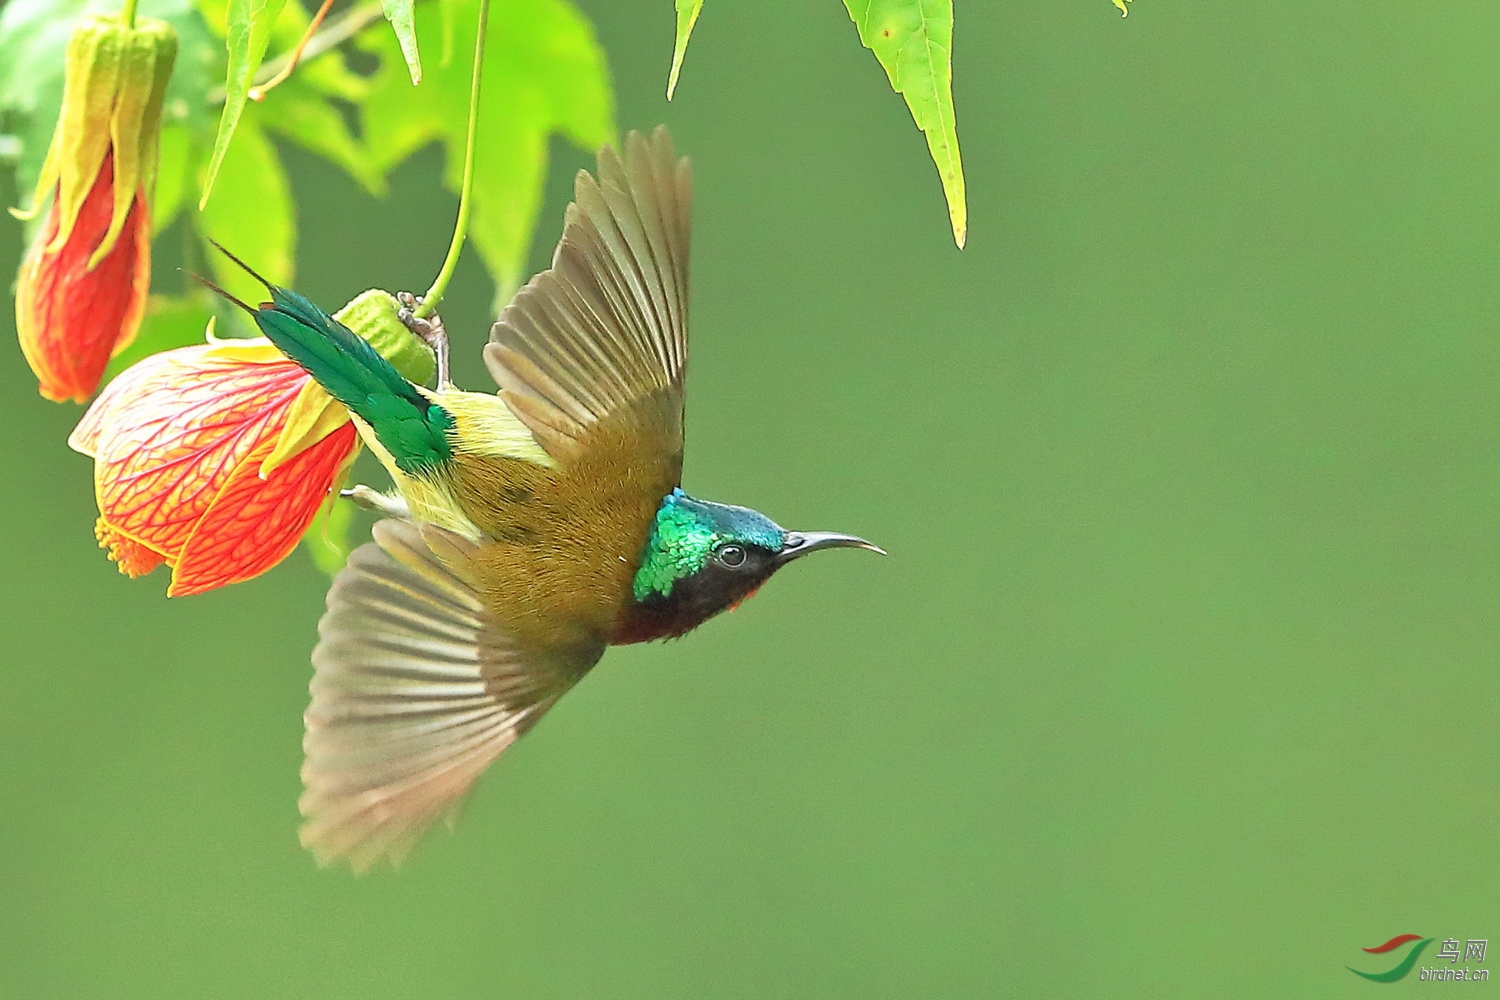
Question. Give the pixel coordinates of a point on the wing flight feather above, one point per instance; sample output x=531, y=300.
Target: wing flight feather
x=603, y=332
x=416, y=690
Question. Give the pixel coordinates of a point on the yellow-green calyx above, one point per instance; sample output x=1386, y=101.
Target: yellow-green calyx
x=113, y=84
x=374, y=316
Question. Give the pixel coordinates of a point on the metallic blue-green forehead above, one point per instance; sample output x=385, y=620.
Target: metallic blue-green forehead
x=685, y=534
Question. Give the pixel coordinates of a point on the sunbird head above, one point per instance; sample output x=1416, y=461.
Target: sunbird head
x=702, y=558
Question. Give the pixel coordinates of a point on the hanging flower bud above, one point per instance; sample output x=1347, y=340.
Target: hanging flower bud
x=214, y=459
x=82, y=286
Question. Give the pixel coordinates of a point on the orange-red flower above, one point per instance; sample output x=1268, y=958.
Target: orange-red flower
x=81, y=289
x=72, y=319
x=213, y=459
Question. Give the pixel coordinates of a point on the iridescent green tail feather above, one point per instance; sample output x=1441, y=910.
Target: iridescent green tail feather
x=412, y=427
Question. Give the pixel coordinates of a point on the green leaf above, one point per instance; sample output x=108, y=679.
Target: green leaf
x=327, y=75
x=913, y=40
x=299, y=108
x=33, y=37
x=170, y=321
x=687, y=16
x=297, y=111
x=403, y=21
x=176, y=164
x=449, y=15
x=255, y=219
x=248, y=33
x=200, y=61
x=327, y=538
x=544, y=74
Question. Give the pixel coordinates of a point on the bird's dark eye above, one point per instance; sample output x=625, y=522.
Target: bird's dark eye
x=732, y=556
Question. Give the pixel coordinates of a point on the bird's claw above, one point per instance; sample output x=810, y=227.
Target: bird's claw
x=429, y=329
x=408, y=316
x=380, y=503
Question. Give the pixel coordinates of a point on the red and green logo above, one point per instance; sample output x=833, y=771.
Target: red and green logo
x=1402, y=967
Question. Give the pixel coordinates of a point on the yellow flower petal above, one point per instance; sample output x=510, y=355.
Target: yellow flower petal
x=254, y=350
x=312, y=416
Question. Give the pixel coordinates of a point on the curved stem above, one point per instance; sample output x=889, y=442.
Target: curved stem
x=127, y=14
x=465, y=202
x=259, y=93
x=340, y=28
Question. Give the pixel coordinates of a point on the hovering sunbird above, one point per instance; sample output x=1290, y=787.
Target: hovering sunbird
x=529, y=529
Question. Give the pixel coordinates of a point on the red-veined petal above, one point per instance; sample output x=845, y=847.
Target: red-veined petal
x=254, y=523
x=176, y=432
x=70, y=318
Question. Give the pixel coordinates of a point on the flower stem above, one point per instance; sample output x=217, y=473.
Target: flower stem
x=465, y=202
x=127, y=15
x=340, y=28
x=259, y=93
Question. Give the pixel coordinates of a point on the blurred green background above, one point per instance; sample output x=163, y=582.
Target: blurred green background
x=1178, y=679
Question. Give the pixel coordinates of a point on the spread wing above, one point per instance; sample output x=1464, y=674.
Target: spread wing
x=594, y=349
x=416, y=689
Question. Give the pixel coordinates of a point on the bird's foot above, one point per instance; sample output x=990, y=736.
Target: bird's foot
x=380, y=503
x=430, y=329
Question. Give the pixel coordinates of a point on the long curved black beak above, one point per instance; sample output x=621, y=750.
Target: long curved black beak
x=799, y=543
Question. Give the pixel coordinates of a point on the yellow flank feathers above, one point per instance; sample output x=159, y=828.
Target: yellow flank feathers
x=487, y=427
x=430, y=500
x=484, y=426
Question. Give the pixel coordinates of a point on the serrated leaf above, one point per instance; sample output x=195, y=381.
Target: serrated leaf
x=255, y=219
x=297, y=112
x=170, y=321
x=544, y=74
x=913, y=41
x=299, y=108
x=403, y=22
x=687, y=16
x=248, y=32
x=330, y=76
x=327, y=538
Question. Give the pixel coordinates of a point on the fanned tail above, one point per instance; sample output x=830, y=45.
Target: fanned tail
x=412, y=427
